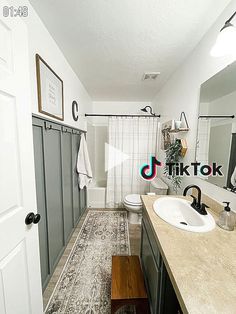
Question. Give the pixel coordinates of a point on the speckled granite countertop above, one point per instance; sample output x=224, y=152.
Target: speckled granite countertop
x=201, y=266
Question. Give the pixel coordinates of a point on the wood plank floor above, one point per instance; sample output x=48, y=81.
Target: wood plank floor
x=135, y=238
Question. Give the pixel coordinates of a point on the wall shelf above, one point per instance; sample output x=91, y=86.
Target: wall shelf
x=179, y=130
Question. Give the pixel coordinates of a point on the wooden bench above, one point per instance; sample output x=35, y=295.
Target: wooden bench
x=127, y=287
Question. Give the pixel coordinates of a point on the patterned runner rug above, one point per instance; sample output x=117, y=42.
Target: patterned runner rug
x=84, y=286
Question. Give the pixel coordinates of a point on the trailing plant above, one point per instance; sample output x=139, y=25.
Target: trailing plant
x=173, y=155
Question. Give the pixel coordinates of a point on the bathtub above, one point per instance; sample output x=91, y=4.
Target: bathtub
x=96, y=194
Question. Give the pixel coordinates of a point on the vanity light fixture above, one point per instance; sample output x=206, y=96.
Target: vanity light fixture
x=148, y=109
x=226, y=40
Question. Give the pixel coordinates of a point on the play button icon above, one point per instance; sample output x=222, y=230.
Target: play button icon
x=113, y=157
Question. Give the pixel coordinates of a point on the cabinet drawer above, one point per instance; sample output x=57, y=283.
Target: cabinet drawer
x=152, y=238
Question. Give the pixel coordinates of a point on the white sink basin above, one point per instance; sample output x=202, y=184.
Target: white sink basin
x=179, y=213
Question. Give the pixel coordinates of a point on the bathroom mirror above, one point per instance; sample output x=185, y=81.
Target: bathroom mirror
x=216, y=138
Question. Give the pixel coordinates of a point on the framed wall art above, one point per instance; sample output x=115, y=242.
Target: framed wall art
x=50, y=90
x=166, y=137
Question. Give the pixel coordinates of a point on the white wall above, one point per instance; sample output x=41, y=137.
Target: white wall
x=41, y=42
x=116, y=107
x=181, y=93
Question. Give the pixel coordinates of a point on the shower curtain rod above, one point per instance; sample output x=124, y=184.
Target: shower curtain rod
x=217, y=116
x=122, y=115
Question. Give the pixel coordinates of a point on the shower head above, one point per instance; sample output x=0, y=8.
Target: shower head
x=150, y=110
x=144, y=109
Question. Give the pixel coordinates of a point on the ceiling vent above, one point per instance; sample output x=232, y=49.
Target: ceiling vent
x=150, y=76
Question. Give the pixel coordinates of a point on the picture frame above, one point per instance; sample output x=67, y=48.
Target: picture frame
x=50, y=90
x=166, y=136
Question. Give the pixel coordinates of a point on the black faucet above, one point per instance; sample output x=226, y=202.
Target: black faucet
x=196, y=203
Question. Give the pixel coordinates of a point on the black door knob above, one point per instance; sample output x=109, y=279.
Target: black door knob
x=32, y=218
x=37, y=218
x=29, y=219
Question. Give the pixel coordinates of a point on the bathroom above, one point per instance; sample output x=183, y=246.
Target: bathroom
x=106, y=107
x=99, y=142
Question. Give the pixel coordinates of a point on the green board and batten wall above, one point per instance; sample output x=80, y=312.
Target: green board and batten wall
x=60, y=202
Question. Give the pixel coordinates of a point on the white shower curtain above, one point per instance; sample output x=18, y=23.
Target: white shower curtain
x=136, y=137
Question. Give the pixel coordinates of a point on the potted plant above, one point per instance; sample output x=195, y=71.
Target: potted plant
x=173, y=155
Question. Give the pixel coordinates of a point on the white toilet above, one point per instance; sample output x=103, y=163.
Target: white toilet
x=133, y=203
x=158, y=187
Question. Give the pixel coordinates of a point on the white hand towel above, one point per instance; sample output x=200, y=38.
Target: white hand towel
x=83, y=164
x=233, y=178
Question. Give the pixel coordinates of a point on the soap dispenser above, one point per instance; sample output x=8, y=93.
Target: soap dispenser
x=226, y=218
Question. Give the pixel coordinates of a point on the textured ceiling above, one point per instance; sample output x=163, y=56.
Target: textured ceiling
x=111, y=43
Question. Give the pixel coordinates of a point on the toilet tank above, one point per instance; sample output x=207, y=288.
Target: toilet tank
x=158, y=187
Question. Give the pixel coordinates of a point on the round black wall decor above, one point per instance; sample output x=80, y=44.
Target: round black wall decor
x=75, y=110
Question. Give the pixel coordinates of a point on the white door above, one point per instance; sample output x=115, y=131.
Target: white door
x=20, y=282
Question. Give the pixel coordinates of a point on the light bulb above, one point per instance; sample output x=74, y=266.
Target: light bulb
x=225, y=42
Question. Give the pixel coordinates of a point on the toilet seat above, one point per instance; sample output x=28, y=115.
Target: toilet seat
x=133, y=200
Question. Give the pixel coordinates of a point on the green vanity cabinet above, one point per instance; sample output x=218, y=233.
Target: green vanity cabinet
x=151, y=271
x=162, y=298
